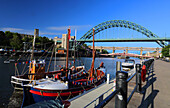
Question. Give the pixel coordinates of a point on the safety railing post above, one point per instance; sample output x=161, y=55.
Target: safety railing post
x=138, y=78
x=121, y=84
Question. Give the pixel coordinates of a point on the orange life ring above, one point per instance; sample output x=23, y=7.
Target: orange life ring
x=143, y=73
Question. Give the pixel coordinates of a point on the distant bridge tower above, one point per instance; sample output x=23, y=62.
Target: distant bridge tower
x=113, y=50
x=101, y=49
x=126, y=50
x=141, y=50
x=157, y=52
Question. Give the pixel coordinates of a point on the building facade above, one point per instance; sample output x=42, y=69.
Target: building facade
x=26, y=35
x=58, y=41
x=62, y=42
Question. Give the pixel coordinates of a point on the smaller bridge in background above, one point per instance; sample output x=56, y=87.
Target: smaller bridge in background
x=126, y=54
x=141, y=49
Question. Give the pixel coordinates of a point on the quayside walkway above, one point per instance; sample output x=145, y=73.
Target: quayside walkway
x=92, y=98
x=82, y=101
x=155, y=90
x=162, y=84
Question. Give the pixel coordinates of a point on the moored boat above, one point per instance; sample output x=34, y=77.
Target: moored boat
x=57, y=88
x=128, y=64
x=37, y=72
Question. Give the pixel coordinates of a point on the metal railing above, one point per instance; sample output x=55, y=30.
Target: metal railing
x=100, y=99
x=121, y=91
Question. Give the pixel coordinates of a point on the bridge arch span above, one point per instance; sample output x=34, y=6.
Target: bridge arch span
x=121, y=23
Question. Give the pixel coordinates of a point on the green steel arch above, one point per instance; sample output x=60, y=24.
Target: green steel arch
x=121, y=23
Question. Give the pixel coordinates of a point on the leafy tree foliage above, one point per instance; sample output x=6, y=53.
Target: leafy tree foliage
x=9, y=36
x=15, y=40
x=2, y=38
x=26, y=39
x=104, y=51
x=165, y=51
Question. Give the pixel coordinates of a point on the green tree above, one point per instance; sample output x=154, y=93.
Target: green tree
x=2, y=38
x=165, y=51
x=9, y=36
x=26, y=39
x=104, y=51
x=16, y=41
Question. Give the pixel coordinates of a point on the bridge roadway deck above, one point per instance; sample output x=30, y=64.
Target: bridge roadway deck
x=125, y=40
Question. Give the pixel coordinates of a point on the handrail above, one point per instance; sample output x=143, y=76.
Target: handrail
x=130, y=78
x=98, y=97
x=131, y=94
x=119, y=77
x=105, y=101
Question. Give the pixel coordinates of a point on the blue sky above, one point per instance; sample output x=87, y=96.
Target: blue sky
x=53, y=17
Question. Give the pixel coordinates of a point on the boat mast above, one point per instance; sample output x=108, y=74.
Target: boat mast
x=92, y=65
x=33, y=45
x=55, y=56
x=68, y=37
x=75, y=47
x=93, y=40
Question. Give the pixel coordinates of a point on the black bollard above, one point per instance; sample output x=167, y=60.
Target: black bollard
x=121, y=83
x=138, y=78
x=118, y=66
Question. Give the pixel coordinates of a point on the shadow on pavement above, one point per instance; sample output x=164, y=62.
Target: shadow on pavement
x=148, y=99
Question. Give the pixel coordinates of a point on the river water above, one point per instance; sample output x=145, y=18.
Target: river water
x=7, y=70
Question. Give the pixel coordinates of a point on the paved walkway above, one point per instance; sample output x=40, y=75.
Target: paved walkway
x=162, y=84
x=83, y=100
x=156, y=90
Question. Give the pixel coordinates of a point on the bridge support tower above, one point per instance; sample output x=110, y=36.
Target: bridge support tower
x=141, y=50
x=101, y=49
x=157, y=52
x=113, y=51
x=126, y=50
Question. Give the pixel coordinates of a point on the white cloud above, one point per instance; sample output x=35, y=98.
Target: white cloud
x=31, y=32
x=18, y=30
x=11, y=29
x=49, y=33
x=66, y=27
